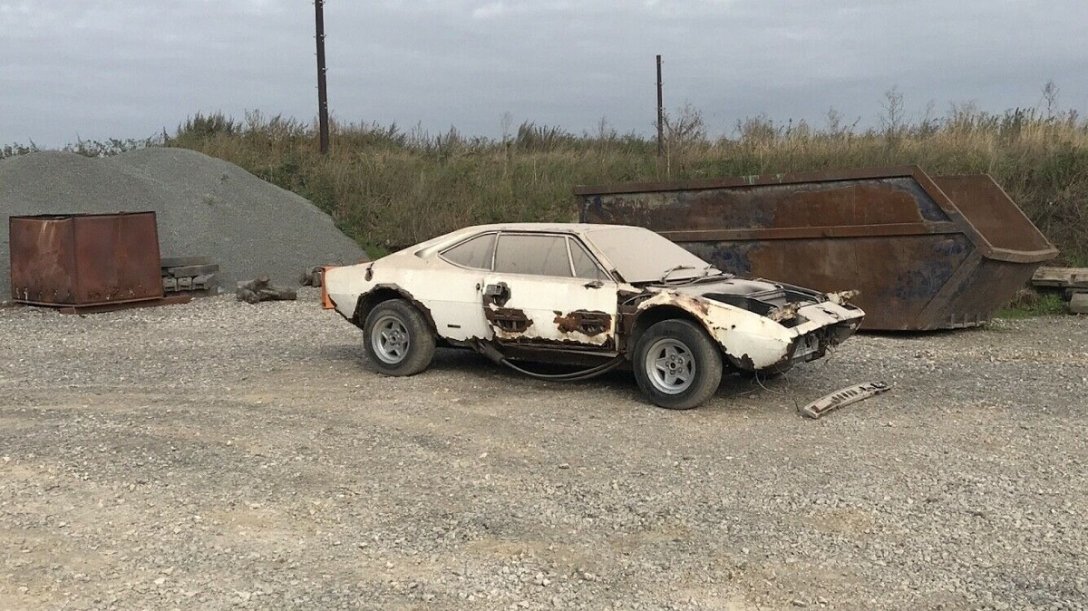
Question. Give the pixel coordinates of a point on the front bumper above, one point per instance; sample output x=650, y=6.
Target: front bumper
x=778, y=346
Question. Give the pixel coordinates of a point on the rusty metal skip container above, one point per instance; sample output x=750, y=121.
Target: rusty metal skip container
x=84, y=260
x=926, y=253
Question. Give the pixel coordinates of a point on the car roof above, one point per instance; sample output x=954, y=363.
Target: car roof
x=440, y=242
x=564, y=227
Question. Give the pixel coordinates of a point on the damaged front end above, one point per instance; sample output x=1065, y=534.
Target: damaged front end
x=763, y=326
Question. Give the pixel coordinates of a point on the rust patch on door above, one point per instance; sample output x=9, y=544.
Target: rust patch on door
x=508, y=320
x=588, y=322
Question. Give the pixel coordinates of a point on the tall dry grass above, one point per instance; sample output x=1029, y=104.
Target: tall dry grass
x=389, y=187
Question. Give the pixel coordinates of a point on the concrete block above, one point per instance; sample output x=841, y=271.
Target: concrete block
x=1079, y=303
x=205, y=281
x=192, y=270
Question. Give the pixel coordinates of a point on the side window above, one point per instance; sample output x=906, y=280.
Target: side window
x=541, y=255
x=584, y=266
x=475, y=253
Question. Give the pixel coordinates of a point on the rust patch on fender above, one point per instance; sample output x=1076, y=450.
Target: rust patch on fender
x=698, y=305
x=742, y=362
x=587, y=322
x=692, y=304
x=628, y=314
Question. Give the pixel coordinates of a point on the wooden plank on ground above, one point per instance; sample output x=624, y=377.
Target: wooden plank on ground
x=1061, y=277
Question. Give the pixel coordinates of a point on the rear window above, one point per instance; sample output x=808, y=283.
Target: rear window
x=474, y=253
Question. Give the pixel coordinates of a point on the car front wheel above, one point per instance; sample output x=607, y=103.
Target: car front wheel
x=397, y=339
x=676, y=365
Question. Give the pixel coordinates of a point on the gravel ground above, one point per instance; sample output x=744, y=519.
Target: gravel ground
x=204, y=207
x=218, y=454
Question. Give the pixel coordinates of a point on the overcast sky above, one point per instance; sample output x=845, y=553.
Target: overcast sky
x=97, y=69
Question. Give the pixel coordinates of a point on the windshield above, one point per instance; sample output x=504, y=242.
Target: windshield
x=640, y=255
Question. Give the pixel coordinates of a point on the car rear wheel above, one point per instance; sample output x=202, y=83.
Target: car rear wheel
x=397, y=339
x=676, y=365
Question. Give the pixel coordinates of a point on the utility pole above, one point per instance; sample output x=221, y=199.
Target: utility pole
x=660, y=113
x=322, y=91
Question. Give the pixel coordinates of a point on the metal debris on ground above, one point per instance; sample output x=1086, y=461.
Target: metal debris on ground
x=843, y=397
x=261, y=289
x=176, y=299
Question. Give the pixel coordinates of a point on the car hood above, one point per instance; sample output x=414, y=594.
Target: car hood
x=758, y=296
x=725, y=288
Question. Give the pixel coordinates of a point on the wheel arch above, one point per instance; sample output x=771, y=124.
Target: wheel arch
x=387, y=292
x=655, y=314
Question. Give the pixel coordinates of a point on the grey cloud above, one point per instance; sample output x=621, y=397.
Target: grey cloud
x=106, y=68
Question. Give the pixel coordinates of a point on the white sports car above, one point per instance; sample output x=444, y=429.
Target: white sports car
x=595, y=296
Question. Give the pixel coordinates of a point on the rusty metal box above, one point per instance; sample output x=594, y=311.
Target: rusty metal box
x=926, y=252
x=84, y=259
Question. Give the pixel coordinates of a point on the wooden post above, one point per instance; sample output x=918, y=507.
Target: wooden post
x=660, y=113
x=322, y=91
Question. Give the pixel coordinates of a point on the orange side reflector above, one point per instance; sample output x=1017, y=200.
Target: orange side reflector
x=326, y=303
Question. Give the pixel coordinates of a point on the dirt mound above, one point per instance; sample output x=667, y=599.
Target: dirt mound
x=204, y=206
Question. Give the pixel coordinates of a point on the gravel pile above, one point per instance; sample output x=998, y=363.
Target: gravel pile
x=204, y=206
x=217, y=454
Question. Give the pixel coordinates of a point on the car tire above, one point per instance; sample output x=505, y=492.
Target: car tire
x=677, y=365
x=397, y=340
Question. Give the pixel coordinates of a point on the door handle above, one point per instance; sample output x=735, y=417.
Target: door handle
x=594, y=284
x=496, y=290
x=497, y=294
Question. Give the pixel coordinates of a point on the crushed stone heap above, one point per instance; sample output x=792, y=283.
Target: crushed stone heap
x=204, y=207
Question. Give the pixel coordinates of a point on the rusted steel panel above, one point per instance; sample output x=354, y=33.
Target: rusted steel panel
x=84, y=259
x=926, y=253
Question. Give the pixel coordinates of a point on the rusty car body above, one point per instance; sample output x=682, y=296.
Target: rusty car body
x=587, y=295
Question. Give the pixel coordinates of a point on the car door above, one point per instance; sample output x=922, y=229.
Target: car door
x=452, y=288
x=547, y=290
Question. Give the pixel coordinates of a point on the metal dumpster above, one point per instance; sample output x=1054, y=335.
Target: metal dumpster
x=926, y=253
x=84, y=260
